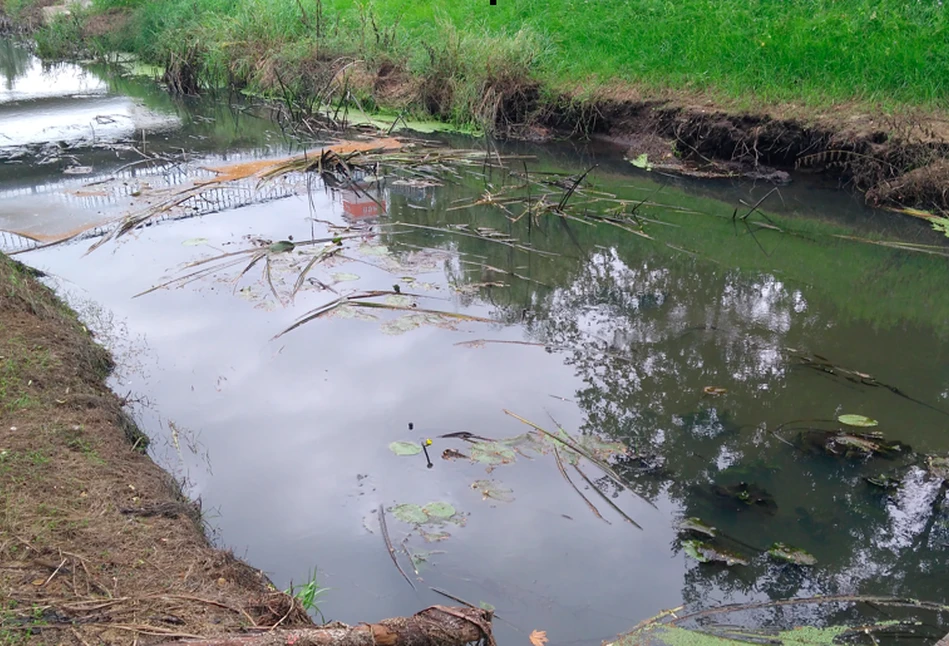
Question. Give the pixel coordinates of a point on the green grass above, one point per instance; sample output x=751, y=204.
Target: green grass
x=803, y=51
x=308, y=594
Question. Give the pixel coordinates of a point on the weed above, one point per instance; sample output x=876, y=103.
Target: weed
x=308, y=594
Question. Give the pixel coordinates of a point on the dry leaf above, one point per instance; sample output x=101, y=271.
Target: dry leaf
x=714, y=390
x=538, y=637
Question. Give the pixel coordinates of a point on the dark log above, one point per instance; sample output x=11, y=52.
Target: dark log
x=434, y=626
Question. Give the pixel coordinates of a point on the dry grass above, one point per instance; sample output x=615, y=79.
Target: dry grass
x=96, y=542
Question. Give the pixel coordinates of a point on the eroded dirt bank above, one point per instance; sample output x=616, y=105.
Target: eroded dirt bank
x=97, y=544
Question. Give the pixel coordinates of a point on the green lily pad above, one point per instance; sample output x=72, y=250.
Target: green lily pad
x=491, y=489
x=861, y=421
x=642, y=161
x=884, y=481
x=281, y=246
x=790, y=554
x=405, y=448
x=707, y=553
x=409, y=513
x=439, y=510
x=698, y=526
x=195, y=242
x=342, y=276
x=493, y=453
x=398, y=300
x=434, y=537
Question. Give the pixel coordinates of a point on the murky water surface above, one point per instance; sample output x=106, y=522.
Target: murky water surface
x=675, y=346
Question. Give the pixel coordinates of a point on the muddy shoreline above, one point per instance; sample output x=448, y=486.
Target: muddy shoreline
x=98, y=544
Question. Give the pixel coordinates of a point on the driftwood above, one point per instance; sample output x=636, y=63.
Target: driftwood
x=434, y=626
x=943, y=642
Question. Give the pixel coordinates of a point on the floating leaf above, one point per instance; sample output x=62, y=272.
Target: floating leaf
x=439, y=510
x=491, y=489
x=398, y=300
x=402, y=324
x=641, y=162
x=373, y=250
x=409, y=513
x=884, y=481
x=342, y=276
x=698, y=526
x=938, y=467
x=601, y=449
x=434, y=537
x=539, y=637
x=857, y=420
x=452, y=454
x=350, y=312
x=852, y=445
x=706, y=553
x=714, y=390
x=790, y=554
x=405, y=448
x=281, y=246
x=492, y=453
x=195, y=242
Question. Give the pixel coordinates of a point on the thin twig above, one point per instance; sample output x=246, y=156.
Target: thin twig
x=607, y=499
x=563, y=472
x=385, y=537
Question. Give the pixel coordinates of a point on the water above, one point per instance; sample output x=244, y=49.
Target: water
x=615, y=336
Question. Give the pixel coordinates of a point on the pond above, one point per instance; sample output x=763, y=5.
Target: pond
x=702, y=361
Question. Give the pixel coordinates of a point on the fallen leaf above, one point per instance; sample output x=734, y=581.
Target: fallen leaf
x=714, y=390
x=538, y=637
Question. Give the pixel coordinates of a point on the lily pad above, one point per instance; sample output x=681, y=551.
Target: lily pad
x=281, y=246
x=409, y=513
x=342, y=276
x=938, y=467
x=789, y=554
x=402, y=324
x=642, y=161
x=493, y=453
x=398, y=300
x=491, y=489
x=861, y=421
x=852, y=444
x=434, y=537
x=195, y=242
x=405, y=448
x=439, y=510
x=707, y=553
x=698, y=526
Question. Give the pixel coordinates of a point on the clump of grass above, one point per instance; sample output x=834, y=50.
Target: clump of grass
x=308, y=595
x=477, y=77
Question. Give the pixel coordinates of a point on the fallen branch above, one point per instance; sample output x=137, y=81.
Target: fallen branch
x=434, y=626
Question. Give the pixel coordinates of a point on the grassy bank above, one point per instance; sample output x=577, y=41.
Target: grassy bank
x=854, y=88
x=97, y=545
x=815, y=52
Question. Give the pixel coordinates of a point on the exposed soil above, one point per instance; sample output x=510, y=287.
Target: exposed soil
x=896, y=160
x=97, y=544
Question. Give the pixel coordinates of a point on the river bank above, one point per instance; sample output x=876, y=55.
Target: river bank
x=855, y=95
x=97, y=543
